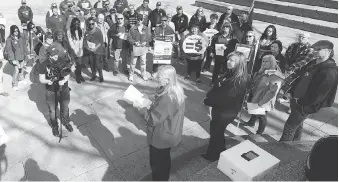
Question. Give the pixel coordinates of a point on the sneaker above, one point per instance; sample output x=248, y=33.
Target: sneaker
x=82, y=79
x=55, y=131
x=3, y=139
x=199, y=82
x=115, y=73
x=209, y=158
x=93, y=78
x=187, y=77
x=130, y=78
x=69, y=127
x=15, y=88
x=101, y=80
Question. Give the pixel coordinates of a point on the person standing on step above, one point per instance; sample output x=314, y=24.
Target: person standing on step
x=94, y=49
x=229, y=16
x=162, y=30
x=249, y=39
x=25, y=13
x=139, y=38
x=155, y=16
x=226, y=99
x=265, y=41
x=263, y=92
x=314, y=89
x=55, y=21
x=194, y=60
x=222, y=44
x=75, y=37
x=119, y=46
x=15, y=52
x=55, y=72
x=145, y=11
x=63, y=7
x=198, y=19
x=121, y=6
x=164, y=121
x=180, y=21
x=210, y=25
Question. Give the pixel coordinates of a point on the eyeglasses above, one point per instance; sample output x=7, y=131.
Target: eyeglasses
x=249, y=36
x=228, y=9
x=91, y=23
x=106, y=4
x=120, y=18
x=164, y=20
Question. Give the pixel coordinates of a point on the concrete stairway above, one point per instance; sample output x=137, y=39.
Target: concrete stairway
x=309, y=15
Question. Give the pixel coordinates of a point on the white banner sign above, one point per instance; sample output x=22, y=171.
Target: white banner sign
x=209, y=34
x=195, y=44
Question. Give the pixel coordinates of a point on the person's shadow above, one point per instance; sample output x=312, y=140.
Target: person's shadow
x=37, y=94
x=3, y=159
x=34, y=173
x=132, y=115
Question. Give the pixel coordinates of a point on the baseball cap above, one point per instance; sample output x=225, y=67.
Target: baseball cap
x=159, y=3
x=146, y=1
x=23, y=1
x=54, y=5
x=179, y=7
x=323, y=44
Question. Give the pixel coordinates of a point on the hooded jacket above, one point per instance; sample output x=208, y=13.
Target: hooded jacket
x=145, y=12
x=25, y=13
x=317, y=86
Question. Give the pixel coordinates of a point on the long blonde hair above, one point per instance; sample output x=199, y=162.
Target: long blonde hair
x=273, y=62
x=240, y=70
x=173, y=88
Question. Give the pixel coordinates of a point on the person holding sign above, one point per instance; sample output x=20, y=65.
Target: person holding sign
x=194, y=47
x=210, y=30
x=265, y=86
x=222, y=44
x=139, y=37
x=161, y=31
x=226, y=99
x=164, y=121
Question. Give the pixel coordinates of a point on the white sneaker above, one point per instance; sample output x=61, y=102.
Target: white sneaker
x=3, y=139
x=15, y=88
x=281, y=100
x=130, y=78
x=145, y=78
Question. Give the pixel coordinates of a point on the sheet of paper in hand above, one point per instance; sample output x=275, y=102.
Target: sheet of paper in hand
x=133, y=95
x=255, y=109
x=91, y=44
x=209, y=34
x=219, y=49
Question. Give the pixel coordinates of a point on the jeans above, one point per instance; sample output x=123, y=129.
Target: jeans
x=78, y=67
x=218, y=63
x=18, y=74
x=96, y=63
x=294, y=124
x=120, y=56
x=209, y=60
x=194, y=65
x=142, y=64
x=262, y=122
x=160, y=161
x=62, y=98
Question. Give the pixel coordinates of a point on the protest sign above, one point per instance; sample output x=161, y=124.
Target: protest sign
x=209, y=34
x=246, y=49
x=195, y=44
x=163, y=49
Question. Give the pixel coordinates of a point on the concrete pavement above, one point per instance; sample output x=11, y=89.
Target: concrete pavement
x=108, y=141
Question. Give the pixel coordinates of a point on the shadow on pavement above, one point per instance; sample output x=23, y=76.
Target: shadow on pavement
x=36, y=93
x=3, y=160
x=132, y=115
x=34, y=173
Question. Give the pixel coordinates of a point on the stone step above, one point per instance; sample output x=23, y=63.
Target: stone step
x=297, y=22
x=333, y=4
x=314, y=12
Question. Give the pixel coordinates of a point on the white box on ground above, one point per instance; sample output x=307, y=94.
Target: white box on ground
x=246, y=162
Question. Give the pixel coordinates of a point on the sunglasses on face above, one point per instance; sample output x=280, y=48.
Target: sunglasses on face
x=163, y=20
x=16, y=30
x=249, y=36
x=91, y=24
x=106, y=4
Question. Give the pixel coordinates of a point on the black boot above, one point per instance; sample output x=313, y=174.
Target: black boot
x=55, y=131
x=69, y=127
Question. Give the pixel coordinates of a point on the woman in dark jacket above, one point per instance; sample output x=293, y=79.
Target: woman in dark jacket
x=198, y=19
x=222, y=44
x=249, y=39
x=226, y=99
x=276, y=49
x=15, y=52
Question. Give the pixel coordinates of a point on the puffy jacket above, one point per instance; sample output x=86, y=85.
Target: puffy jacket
x=25, y=14
x=16, y=49
x=265, y=89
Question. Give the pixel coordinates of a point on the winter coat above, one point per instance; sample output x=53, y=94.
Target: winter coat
x=164, y=121
x=317, y=86
x=180, y=22
x=25, y=14
x=155, y=17
x=16, y=49
x=194, y=21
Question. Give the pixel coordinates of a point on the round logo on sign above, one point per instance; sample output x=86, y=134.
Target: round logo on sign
x=195, y=44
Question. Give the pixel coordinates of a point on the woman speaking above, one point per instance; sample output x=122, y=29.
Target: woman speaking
x=164, y=121
x=226, y=99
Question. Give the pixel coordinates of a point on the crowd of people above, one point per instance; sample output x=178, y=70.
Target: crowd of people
x=80, y=35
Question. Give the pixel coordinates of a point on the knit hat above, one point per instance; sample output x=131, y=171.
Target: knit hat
x=323, y=44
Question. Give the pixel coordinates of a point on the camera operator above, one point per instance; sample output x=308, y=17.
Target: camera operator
x=54, y=72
